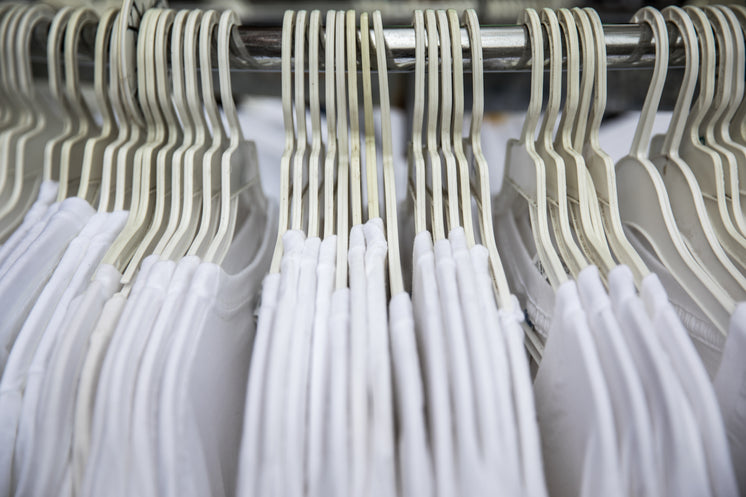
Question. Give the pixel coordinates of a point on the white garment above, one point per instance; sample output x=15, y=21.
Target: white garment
x=730, y=388
x=707, y=339
x=202, y=400
x=45, y=198
x=26, y=277
x=680, y=456
x=337, y=457
x=471, y=470
x=24, y=240
x=143, y=476
x=58, y=375
x=633, y=432
x=299, y=360
x=320, y=369
x=506, y=344
x=382, y=475
x=358, y=367
x=573, y=407
x=431, y=337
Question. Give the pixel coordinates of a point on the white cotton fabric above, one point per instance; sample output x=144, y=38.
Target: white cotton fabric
x=358, y=395
x=338, y=455
x=680, y=457
x=509, y=362
x=381, y=479
x=573, y=407
x=143, y=476
x=697, y=387
x=631, y=419
x=707, y=339
x=28, y=274
x=730, y=388
x=45, y=198
x=202, y=399
x=53, y=377
x=430, y=332
x=472, y=479
x=320, y=369
x=298, y=363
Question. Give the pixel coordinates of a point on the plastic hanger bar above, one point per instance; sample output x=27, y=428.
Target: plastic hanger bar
x=504, y=47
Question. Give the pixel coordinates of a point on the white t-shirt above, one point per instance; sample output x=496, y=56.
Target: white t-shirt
x=53, y=377
x=358, y=367
x=202, y=400
x=431, y=340
x=26, y=277
x=382, y=474
x=143, y=475
x=320, y=369
x=631, y=418
x=680, y=456
x=338, y=456
x=573, y=407
x=696, y=385
x=299, y=359
x=47, y=195
x=730, y=388
x=472, y=479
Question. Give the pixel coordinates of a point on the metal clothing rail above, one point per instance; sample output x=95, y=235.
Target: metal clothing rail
x=505, y=48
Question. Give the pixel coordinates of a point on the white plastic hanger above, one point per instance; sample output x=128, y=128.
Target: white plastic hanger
x=356, y=180
x=73, y=148
x=705, y=162
x=239, y=169
x=301, y=140
x=524, y=168
x=330, y=157
x=581, y=197
x=314, y=158
x=433, y=155
x=685, y=197
x=7, y=107
x=396, y=282
x=644, y=204
x=287, y=117
x=457, y=127
x=416, y=159
x=343, y=161
x=738, y=123
x=586, y=138
x=371, y=164
x=446, y=107
x=93, y=156
x=503, y=294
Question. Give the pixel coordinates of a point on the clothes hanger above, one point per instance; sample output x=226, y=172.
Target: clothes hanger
x=371, y=164
x=738, y=123
x=301, y=140
x=317, y=147
x=684, y=194
x=73, y=148
x=211, y=160
x=287, y=117
x=457, y=127
x=484, y=199
x=586, y=138
x=28, y=156
x=239, y=168
x=330, y=158
x=356, y=180
x=188, y=132
x=710, y=167
x=525, y=171
x=582, y=201
x=416, y=159
x=343, y=161
x=396, y=282
x=93, y=156
x=643, y=199
x=437, y=221
x=446, y=107
x=569, y=250
x=7, y=108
